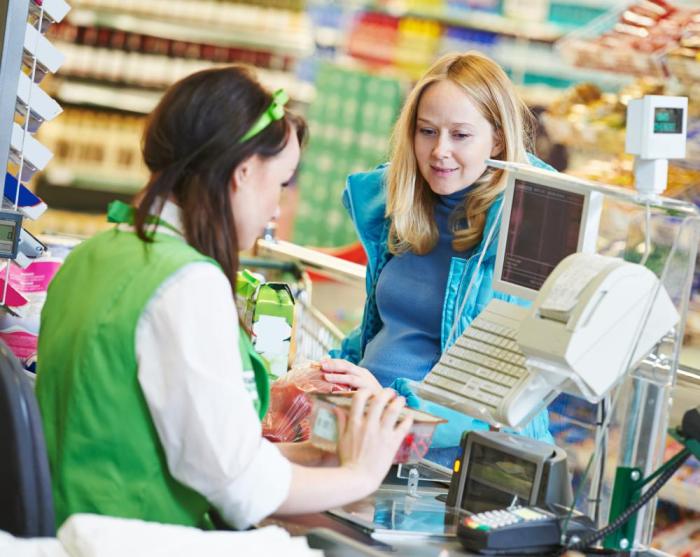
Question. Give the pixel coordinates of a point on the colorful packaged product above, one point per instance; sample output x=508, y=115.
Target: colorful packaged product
x=267, y=310
x=324, y=427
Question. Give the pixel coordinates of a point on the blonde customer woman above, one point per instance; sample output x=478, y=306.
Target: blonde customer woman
x=422, y=220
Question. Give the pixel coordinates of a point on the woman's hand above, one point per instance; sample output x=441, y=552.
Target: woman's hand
x=367, y=443
x=368, y=440
x=342, y=372
x=306, y=454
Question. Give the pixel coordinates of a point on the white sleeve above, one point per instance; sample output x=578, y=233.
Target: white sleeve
x=190, y=371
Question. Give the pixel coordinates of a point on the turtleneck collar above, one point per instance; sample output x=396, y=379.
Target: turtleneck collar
x=451, y=200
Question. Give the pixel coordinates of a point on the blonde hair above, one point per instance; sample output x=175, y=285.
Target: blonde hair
x=409, y=198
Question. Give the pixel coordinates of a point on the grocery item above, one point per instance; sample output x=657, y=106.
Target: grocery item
x=287, y=418
x=324, y=427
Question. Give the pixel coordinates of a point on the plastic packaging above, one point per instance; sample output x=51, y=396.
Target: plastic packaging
x=324, y=428
x=287, y=418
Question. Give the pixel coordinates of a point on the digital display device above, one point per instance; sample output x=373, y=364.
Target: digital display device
x=546, y=216
x=497, y=480
x=543, y=229
x=656, y=126
x=7, y=231
x=668, y=120
x=10, y=227
x=498, y=470
x=391, y=511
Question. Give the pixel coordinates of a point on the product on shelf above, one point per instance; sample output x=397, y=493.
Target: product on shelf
x=684, y=60
x=587, y=119
x=584, y=115
x=242, y=20
x=373, y=38
x=113, y=56
x=416, y=45
x=682, y=539
x=573, y=427
x=112, y=50
x=21, y=333
x=350, y=124
x=632, y=40
x=96, y=149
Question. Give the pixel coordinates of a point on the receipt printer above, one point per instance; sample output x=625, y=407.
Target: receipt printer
x=593, y=319
x=496, y=470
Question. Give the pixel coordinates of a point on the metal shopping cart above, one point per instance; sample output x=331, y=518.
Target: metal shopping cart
x=314, y=334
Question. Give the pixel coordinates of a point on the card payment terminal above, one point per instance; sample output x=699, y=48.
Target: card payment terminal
x=525, y=530
x=496, y=470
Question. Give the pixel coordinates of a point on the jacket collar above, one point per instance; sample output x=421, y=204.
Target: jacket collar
x=365, y=200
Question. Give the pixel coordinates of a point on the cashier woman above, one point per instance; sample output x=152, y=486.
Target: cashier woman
x=149, y=390
x=423, y=220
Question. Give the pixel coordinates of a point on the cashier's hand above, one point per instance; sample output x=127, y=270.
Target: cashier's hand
x=342, y=372
x=368, y=440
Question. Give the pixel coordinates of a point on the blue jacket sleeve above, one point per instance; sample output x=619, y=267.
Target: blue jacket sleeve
x=446, y=434
x=350, y=347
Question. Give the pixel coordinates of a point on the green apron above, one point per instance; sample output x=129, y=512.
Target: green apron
x=104, y=452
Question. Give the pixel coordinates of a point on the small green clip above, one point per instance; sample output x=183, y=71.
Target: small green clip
x=273, y=113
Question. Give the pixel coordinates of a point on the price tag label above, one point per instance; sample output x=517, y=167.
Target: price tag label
x=326, y=425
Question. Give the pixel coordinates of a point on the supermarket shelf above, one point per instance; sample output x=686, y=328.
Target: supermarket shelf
x=682, y=494
x=107, y=96
x=550, y=63
x=294, y=44
x=74, y=198
x=676, y=491
x=142, y=101
x=601, y=4
x=484, y=21
x=94, y=181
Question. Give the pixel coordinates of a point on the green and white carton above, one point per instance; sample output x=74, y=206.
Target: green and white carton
x=267, y=310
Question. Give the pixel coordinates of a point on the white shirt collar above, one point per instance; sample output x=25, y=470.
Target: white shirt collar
x=172, y=214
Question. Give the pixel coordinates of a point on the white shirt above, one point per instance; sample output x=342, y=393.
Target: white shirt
x=190, y=371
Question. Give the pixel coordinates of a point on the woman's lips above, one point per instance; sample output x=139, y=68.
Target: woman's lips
x=442, y=171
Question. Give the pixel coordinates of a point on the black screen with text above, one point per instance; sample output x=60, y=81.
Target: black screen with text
x=542, y=230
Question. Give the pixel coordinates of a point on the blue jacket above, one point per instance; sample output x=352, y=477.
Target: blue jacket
x=365, y=200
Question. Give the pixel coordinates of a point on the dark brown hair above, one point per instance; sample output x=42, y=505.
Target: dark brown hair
x=191, y=145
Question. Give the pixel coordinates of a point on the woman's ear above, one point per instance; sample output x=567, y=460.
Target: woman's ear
x=242, y=174
x=497, y=148
x=246, y=173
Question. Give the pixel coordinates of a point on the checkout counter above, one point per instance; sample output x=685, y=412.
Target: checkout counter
x=492, y=468
x=600, y=328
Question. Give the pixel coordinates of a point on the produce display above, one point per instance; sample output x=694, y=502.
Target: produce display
x=633, y=40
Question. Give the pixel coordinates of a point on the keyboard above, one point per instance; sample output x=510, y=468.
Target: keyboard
x=483, y=373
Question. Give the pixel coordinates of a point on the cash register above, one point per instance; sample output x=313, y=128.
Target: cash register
x=506, y=489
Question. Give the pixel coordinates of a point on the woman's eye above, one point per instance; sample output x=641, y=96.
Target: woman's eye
x=462, y=135
x=426, y=131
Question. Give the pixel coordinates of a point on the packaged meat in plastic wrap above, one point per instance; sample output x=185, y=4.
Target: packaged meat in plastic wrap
x=287, y=418
x=324, y=427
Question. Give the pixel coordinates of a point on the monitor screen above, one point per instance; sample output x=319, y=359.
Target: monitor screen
x=496, y=480
x=543, y=229
x=7, y=231
x=668, y=120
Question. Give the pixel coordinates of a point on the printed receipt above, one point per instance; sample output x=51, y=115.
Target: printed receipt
x=563, y=296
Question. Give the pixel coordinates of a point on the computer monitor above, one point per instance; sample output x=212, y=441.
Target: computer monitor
x=546, y=216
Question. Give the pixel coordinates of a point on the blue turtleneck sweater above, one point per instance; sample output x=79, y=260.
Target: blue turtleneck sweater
x=410, y=295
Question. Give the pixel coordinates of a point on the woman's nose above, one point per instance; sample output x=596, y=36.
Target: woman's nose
x=441, y=149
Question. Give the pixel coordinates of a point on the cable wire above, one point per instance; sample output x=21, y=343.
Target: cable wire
x=679, y=459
